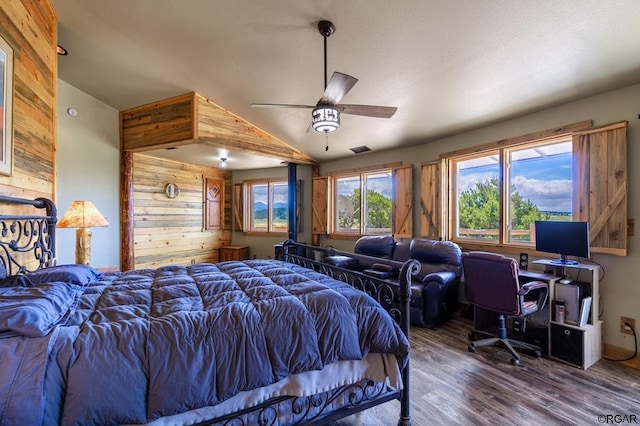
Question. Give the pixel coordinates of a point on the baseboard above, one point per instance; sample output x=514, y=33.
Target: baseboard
x=615, y=352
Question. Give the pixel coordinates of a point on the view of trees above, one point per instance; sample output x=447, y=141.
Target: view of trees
x=378, y=211
x=479, y=209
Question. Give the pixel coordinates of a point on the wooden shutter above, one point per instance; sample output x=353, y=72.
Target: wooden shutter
x=214, y=204
x=403, y=202
x=238, y=207
x=319, y=205
x=600, y=186
x=431, y=200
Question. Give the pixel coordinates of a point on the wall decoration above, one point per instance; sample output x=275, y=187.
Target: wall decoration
x=172, y=190
x=6, y=102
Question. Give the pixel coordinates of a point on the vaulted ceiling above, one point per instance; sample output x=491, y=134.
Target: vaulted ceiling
x=449, y=66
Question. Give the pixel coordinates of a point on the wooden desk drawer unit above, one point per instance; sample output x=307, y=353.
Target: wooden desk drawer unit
x=234, y=253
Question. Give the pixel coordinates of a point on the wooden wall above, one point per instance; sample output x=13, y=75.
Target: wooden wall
x=30, y=28
x=170, y=231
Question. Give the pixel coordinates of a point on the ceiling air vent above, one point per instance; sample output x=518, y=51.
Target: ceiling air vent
x=360, y=149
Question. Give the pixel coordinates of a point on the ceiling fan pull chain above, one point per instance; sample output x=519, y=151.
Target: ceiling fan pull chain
x=326, y=142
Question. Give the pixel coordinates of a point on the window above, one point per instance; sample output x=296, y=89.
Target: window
x=369, y=215
x=498, y=194
x=268, y=206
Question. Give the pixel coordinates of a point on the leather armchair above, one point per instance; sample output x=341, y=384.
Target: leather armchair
x=441, y=267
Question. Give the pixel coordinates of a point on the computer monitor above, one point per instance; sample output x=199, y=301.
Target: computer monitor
x=563, y=238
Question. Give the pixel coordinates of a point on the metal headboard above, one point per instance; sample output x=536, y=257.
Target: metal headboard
x=27, y=242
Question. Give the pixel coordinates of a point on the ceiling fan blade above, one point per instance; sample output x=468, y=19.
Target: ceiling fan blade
x=338, y=86
x=281, y=106
x=367, y=110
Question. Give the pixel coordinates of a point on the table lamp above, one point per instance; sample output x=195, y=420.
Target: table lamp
x=82, y=215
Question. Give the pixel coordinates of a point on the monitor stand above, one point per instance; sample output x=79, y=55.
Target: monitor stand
x=564, y=261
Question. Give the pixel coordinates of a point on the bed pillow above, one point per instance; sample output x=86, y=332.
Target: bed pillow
x=34, y=311
x=16, y=280
x=74, y=274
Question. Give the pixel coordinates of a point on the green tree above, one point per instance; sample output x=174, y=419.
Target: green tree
x=480, y=208
x=378, y=210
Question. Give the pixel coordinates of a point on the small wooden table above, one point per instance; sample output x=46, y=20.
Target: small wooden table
x=233, y=253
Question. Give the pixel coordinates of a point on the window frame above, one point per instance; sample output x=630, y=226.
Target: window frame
x=248, y=199
x=564, y=133
x=502, y=151
x=361, y=174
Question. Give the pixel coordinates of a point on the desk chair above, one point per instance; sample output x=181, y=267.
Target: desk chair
x=491, y=282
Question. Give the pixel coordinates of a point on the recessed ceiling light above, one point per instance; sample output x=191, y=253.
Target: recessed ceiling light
x=61, y=51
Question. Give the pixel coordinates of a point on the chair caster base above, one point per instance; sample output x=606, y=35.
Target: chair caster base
x=515, y=362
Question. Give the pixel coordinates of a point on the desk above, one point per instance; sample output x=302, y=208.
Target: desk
x=580, y=346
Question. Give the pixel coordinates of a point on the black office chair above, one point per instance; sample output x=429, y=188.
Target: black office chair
x=491, y=282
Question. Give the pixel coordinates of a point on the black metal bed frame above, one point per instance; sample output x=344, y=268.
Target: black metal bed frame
x=34, y=236
x=381, y=290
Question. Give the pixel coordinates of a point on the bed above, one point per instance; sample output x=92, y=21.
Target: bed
x=266, y=342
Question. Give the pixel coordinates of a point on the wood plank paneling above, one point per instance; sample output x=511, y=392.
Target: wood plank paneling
x=30, y=28
x=170, y=231
x=194, y=119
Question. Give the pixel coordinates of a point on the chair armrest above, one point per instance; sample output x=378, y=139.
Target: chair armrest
x=443, y=277
x=533, y=285
x=540, y=287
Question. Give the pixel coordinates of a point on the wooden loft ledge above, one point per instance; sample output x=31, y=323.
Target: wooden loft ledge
x=193, y=119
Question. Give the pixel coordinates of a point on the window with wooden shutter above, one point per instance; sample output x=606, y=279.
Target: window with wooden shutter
x=319, y=205
x=598, y=189
x=214, y=204
x=431, y=200
x=403, y=202
x=600, y=186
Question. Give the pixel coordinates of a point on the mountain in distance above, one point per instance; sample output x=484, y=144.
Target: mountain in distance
x=259, y=206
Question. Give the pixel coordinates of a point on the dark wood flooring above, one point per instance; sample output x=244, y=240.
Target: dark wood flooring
x=451, y=386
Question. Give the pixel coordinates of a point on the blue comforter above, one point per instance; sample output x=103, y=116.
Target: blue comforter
x=135, y=346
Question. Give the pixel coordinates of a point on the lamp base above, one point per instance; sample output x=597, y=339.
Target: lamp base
x=83, y=246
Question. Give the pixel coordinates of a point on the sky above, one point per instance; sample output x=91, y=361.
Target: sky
x=545, y=180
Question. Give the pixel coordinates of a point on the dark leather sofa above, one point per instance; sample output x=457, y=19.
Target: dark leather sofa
x=434, y=291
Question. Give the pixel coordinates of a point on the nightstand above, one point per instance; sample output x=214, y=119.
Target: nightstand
x=233, y=253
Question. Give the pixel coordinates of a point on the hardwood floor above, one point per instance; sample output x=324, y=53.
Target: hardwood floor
x=451, y=386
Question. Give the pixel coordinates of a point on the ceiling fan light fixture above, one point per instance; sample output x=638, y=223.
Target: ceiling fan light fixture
x=325, y=119
x=223, y=163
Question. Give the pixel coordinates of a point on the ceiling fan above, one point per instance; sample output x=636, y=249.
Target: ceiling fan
x=325, y=116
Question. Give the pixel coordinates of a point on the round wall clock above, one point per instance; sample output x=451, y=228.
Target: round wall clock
x=172, y=190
